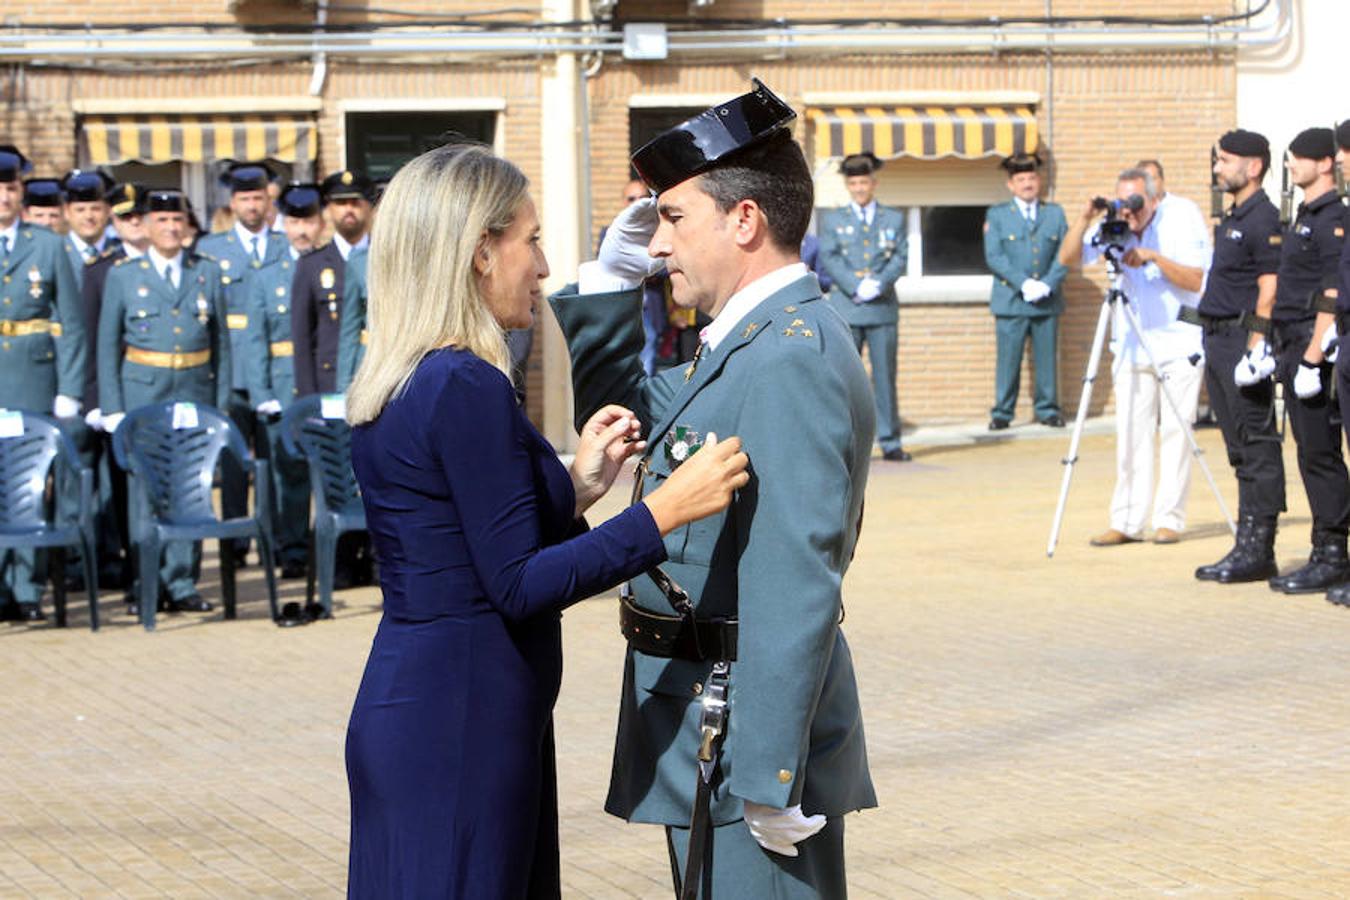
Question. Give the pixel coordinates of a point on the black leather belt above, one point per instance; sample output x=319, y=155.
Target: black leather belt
x=1211, y=324
x=671, y=637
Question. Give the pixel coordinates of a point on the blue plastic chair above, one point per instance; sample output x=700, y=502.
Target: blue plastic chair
x=172, y=473
x=326, y=445
x=26, y=461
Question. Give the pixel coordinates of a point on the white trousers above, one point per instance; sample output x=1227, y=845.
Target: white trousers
x=1140, y=407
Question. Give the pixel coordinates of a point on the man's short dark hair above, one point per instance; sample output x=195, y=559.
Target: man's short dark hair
x=775, y=175
x=1146, y=163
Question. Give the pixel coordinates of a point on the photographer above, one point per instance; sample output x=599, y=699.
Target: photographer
x=1163, y=258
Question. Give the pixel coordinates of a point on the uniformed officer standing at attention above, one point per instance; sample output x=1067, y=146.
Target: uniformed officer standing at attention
x=42, y=203
x=86, y=214
x=271, y=371
x=1234, y=314
x=162, y=337
x=318, y=290
x=1305, y=309
x=1021, y=248
x=748, y=606
x=240, y=252
x=42, y=351
x=862, y=249
x=352, y=325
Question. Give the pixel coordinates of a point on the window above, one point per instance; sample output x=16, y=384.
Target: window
x=379, y=143
x=952, y=239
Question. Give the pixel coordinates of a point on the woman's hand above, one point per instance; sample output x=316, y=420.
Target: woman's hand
x=701, y=486
x=607, y=439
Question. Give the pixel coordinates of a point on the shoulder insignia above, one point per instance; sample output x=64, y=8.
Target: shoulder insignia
x=789, y=309
x=201, y=254
x=796, y=322
x=123, y=261
x=27, y=233
x=788, y=332
x=807, y=332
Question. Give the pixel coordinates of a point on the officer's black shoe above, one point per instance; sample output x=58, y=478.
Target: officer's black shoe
x=31, y=612
x=1327, y=567
x=193, y=602
x=1054, y=420
x=1339, y=595
x=998, y=424
x=1251, y=559
x=897, y=455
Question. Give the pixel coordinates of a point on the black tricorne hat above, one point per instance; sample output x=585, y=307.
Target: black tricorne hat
x=1021, y=162
x=347, y=183
x=246, y=177
x=163, y=200
x=855, y=164
x=84, y=186
x=41, y=192
x=302, y=200
x=696, y=145
x=13, y=164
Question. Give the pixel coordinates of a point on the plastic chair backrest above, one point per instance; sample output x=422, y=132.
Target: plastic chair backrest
x=25, y=461
x=326, y=445
x=177, y=465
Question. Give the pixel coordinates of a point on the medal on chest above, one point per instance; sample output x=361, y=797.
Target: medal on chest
x=680, y=443
x=202, y=309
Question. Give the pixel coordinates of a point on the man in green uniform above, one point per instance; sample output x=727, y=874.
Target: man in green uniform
x=271, y=371
x=86, y=213
x=162, y=337
x=42, y=203
x=1021, y=248
x=42, y=350
x=747, y=610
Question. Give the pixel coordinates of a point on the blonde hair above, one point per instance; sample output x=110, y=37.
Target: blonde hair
x=423, y=291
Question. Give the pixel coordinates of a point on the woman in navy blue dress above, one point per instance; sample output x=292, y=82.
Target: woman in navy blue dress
x=478, y=530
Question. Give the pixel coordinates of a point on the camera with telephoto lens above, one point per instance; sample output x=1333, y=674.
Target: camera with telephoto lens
x=1115, y=231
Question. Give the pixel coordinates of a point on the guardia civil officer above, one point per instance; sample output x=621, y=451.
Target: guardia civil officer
x=271, y=371
x=42, y=349
x=240, y=252
x=318, y=290
x=1021, y=248
x=1340, y=594
x=162, y=336
x=863, y=250
x=352, y=323
x=86, y=213
x=1305, y=308
x=750, y=600
x=42, y=203
x=1235, y=317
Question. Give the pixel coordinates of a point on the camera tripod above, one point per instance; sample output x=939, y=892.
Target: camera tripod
x=1115, y=296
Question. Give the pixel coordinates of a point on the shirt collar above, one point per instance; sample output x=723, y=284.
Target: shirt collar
x=1326, y=198
x=1024, y=207
x=159, y=262
x=747, y=298
x=345, y=248
x=866, y=213
x=11, y=233
x=79, y=244
x=295, y=254
x=246, y=237
x=132, y=252
x=1249, y=204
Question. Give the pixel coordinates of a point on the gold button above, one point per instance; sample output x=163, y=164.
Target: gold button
x=177, y=329
x=174, y=312
x=6, y=279
x=224, y=279
x=176, y=348
x=4, y=346
x=698, y=687
x=784, y=776
x=7, y=301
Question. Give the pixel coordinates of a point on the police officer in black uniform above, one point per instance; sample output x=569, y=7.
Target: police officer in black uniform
x=1234, y=314
x=1305, y=306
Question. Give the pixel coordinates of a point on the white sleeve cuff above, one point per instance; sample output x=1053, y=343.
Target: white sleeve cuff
x=594, y=278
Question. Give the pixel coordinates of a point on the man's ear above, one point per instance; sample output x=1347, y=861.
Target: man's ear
x=751, y=223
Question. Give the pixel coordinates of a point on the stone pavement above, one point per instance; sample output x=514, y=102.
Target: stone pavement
x=1095, y=725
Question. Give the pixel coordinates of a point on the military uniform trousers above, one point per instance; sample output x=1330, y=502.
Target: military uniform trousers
x=1247, y=418
x=881, y=343
x=1011, y=333
x=736, y=866
x=1317, y=434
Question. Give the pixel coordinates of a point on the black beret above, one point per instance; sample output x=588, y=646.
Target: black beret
x=126, y=199
x=13, y=164
x=246, y=177
x=347, y=184
x=1343, y=135
x=1021, y=162
x=860, y=164
x=697, y=144
x=83, y=186
x=41, y=192
x=1245, y=143
x=166, y=201
x=301, y=200
x=1313, y=143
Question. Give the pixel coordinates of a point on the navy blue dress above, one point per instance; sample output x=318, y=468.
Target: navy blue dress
x=450, y=744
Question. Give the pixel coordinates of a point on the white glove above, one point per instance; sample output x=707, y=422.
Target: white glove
x=780, y=830
x=94, y=419
x=64, y=407
x=1331, y=344
x=1307, y=380
x=1034, y=291
x=623, y=252
x=1256, y=365
x=111, y=421
x=268, y=408
x=869, y=289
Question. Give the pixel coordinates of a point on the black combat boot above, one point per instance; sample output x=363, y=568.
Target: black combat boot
x=1327, y=566
x=1252, y=557
x=1340, y=594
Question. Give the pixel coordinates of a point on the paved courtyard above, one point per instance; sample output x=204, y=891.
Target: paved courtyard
x=1096, y=725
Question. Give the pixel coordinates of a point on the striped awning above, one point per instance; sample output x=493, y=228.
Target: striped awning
x=924, y=132
x=111, y=140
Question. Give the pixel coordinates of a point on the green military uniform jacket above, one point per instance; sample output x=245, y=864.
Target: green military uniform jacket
x=270, y=356
x=237, y=267
x=43, y=349
x=1015, y=250
x=788, y=382
x=142, y=310
x=352, y=328
x=851, y=251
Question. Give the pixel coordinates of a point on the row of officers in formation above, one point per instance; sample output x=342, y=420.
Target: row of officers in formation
x=123, y=311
